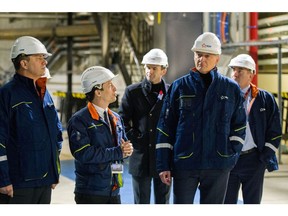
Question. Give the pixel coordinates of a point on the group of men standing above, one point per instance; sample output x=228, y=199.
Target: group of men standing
x=204, y=131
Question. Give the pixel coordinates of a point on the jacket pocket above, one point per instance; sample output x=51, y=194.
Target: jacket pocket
x=224, y=148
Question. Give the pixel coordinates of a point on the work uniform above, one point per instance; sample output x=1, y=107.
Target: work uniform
x=95, y=149
x=30, y=138
x=140, y=109
x=263, y=136
x=201, y=133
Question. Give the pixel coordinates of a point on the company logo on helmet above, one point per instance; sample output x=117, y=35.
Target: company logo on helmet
x=206, y=45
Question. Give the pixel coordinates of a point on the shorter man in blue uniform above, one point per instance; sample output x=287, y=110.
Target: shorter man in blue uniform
x=263, y=136
x=97, y=141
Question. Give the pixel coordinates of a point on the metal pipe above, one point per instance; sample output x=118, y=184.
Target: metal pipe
x=280, y=94
x=33, y=15
x=253, y=35
x=58, y=31
x=69, y=71
x=255, y=43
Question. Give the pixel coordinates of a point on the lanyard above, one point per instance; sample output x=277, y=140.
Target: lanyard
x=249, y=102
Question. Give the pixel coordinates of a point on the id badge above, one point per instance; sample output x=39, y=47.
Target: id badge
x=117, y=168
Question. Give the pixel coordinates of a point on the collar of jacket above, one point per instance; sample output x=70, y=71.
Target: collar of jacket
x=194, y=73
x=95, y=115
x=254, y=90
x=25, y=81
x=147, y=86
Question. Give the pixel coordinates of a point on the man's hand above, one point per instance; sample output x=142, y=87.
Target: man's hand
x=8, y=190
x=127, y=148
x=165, y=177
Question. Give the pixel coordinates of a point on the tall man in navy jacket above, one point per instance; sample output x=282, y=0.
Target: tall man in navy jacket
x=263, y=136
x=201, y=128
x=30, y=130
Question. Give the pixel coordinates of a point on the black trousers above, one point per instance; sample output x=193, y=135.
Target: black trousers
x=39, y=195
x=92, y=199
x=142, y=190
x=212, y=185
x=248, y=172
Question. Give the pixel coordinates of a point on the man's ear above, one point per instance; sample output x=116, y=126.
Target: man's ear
x=98, y=92
x=24, y=64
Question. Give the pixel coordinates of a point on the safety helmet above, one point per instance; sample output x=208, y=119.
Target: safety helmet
x=155, y=57
x=28, y=45
x=47, y=74
x=243, y=60
x=208, y=42
x=93, y=76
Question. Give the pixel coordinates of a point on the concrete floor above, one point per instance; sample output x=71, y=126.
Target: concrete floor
x=275, y=183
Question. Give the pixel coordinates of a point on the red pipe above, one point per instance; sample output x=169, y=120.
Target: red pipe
x=253, y=50
x=223, y=19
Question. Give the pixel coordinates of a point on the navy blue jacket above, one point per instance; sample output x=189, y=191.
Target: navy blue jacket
x=199, y=129
x=264, y=121
x=30, y=136
x=94, y=150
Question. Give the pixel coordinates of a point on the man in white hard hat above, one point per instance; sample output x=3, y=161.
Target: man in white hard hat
x=263, y=135
x=97, y=141
x=140, y=109
x=31, y=133
x=201, y=129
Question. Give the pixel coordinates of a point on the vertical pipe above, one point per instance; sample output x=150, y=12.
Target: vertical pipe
x=218, y=25
x=280, y=94
x=227, y=24
x=69, y=71
x=253, y=34
x=105, y=39
x=206, y=22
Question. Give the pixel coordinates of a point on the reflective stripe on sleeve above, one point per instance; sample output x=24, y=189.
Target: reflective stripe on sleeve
x=236, y=138
x=3, y=158
x=269, y=145
x=164, y=145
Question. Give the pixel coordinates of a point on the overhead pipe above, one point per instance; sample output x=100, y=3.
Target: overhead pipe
x=58, y=31
x=253, y=34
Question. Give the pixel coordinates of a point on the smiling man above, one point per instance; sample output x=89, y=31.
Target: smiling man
x=97, y=141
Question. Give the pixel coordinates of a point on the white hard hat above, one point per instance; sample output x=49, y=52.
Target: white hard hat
x=155, y=57
x=93, y=76
x=208, y=42
x=47, y=74
x=28, y=45
x=243, y=60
